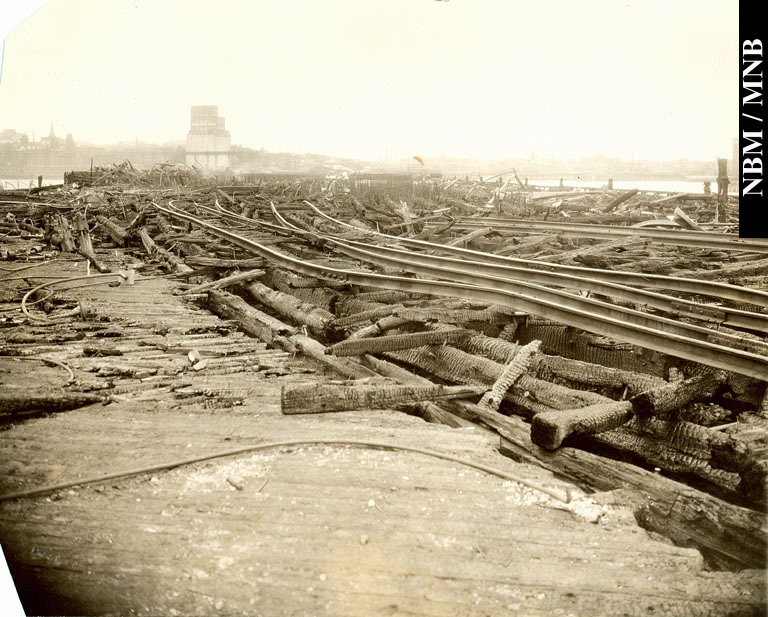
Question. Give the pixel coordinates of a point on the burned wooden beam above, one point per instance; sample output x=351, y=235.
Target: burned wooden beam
x=468, y=237
x=576, y=371
x=255, y=322
x=322, y=398
x=621, y=199
x=199, y=261
x=115, y=232
x=436, y=414
x=672, y=447
x=84, y=236
x=271, y=330
x=531, y=395
x=673, y=396
x=169, y=261
x=359, y=346
x=454, y=316
x=14, y=401
x=550, y=429
x=60, y=233
x=227, y=281
x=377, y=327
x=290, y=307
x=548, y=366
x=520, y=364
x=367, y=315
x=728, y=535
x=97, y=263
x=686, y=221
x=343, y=366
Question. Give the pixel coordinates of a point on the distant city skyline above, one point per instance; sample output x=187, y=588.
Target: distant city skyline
x=483, y=78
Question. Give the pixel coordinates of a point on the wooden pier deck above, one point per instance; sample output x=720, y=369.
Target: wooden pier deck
x=304, y=530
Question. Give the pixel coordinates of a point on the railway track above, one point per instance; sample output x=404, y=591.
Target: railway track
x=701, y=239
x=406, y=259
x=465, y=272
x=480, y=273
x=652, y=281
x=584, y=313
x=595, y=282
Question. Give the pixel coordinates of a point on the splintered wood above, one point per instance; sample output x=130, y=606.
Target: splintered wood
x=320, y=332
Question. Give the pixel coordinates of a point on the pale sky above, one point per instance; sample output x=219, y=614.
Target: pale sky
x=484, y=78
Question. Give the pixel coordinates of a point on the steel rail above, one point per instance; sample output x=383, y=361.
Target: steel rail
x=699, y=239
x=734, y=318
x=565, y=225
x=656, y=281
x=719, y=315
x=406, y=262
x=718, y=356
x=220, y=212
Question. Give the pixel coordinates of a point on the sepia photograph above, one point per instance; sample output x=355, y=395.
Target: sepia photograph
x=381, y=308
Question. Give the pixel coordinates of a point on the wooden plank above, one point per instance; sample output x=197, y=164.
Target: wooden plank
x=685, y=220
x=322, y=398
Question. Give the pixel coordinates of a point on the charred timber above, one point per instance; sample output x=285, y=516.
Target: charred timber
x=550, y=429
x=322, y=398
x=359, y=346
x=670, y=397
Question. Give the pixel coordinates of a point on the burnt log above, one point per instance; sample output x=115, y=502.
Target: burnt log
x=227, y=281
x=170, y=262
x=728, y=535
x=14, y=401
x=377, y=327
x=359, y=346
x=621, y=199
x=754, y=482
x=670, y=397
x=290, y=307
x=322, y=398
x=519, y=365
x=253, y=321
x=115, y=232
x=550, y=429
x=271, y=330
x=214, y=262
x=530, y=395
x=60, y=234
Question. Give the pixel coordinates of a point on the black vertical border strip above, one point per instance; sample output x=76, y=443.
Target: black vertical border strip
x=750, y=171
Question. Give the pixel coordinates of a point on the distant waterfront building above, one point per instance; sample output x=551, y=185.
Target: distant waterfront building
x=10, y=136
x=51, y=141
x=208, y=143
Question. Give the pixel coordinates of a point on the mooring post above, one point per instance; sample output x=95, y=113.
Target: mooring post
x=39, y=181
x=721, y=214
x=561, y=183
x=610, y=184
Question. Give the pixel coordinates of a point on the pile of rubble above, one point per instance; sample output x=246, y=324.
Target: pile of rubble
x=601, y=410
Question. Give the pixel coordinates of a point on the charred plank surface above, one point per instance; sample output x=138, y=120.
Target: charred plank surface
x=321, y=398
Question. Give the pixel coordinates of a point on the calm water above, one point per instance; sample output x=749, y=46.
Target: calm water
x=675, y=186
x=25, y=183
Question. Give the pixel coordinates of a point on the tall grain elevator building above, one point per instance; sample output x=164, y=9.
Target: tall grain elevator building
x=208, y=143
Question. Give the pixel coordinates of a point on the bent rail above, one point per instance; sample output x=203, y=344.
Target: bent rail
x=719, y=356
